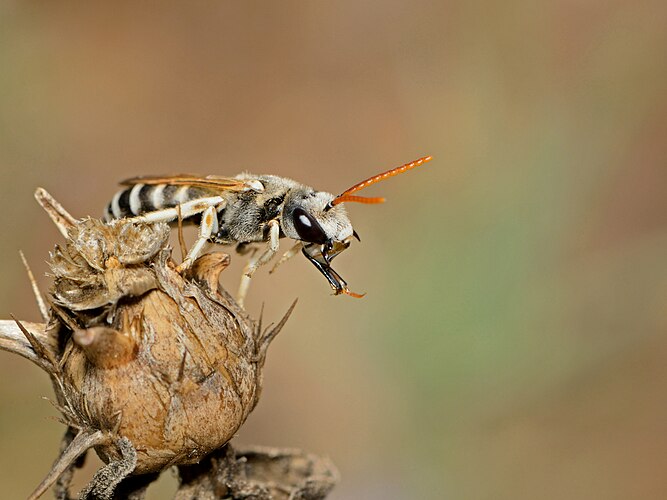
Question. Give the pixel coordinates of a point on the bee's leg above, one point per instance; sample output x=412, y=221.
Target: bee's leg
x=243, y=289
x=187, y=209
x=259, y=260
x=181, y=239
x=209, y=225
x=245, y=280
x=288, y=255
x=267, y=255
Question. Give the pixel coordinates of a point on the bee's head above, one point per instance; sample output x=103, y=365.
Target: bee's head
x=318, y=217
x=309, y=217
x=319, y=220
x=324, y=229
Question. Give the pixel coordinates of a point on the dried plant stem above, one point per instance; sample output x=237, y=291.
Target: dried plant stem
x=12, y=339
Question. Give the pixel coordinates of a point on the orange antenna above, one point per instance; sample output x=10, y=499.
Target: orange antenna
x=357, y=199
x=345, y=195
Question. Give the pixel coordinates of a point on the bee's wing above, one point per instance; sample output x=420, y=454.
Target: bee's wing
x=213, y=182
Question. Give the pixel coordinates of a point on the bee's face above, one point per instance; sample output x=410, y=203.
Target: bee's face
x=306, y=218
x=318, y=220
x=325, y=230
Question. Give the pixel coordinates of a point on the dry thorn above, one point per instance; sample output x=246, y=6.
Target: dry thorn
x=43, y=310
x=83, y=441
x=12, y=339
x=39, y=349
x=60, y=217
x=269, y=335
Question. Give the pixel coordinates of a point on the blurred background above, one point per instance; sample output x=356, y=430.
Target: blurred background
x=513, y=340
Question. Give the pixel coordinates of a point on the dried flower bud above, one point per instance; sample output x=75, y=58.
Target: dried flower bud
x=168, y=363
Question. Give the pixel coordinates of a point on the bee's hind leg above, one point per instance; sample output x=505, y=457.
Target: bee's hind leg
x=209, y=225
x=256, y=261
x=185, y=210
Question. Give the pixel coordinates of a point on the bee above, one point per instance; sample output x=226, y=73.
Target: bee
x=250, y=209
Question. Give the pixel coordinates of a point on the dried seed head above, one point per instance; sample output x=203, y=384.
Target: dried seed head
x=152, y=368
x=169, y=363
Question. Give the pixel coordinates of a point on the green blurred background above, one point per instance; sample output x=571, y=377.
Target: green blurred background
x=512, y=344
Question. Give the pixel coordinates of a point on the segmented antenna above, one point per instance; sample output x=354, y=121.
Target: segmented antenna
x=345, y=196
x=357, y=199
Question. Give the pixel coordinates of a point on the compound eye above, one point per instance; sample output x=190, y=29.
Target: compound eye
x=307, y=227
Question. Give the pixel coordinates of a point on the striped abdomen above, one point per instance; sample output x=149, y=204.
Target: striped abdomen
x=142, y=198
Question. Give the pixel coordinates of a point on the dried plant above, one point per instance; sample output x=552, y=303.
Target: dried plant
x=153, y=369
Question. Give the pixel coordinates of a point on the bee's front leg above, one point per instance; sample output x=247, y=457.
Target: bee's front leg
x=288, y=255
x=259, y=260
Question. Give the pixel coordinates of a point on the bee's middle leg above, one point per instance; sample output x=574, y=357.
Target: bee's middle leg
x=257, y=261
x=209, y=225
x=267, y=255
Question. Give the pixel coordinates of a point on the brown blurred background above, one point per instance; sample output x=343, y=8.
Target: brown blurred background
x=512, y=344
